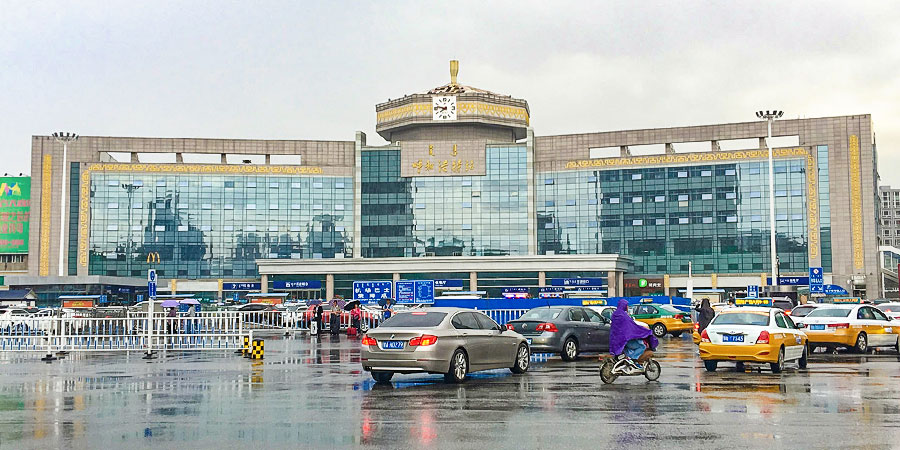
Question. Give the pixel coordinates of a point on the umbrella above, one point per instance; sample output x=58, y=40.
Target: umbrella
x=169, y=304
x=190, y=301
x=339, y=302
x=350, y=305
x=313, y=302
x=384, y=302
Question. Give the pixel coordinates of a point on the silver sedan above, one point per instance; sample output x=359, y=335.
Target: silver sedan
x=450, y=341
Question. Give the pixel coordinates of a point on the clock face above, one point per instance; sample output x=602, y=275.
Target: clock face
x=443, y=108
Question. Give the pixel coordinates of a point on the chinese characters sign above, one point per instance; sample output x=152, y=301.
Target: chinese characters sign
x=442, y=158
x=372, y=291
x=15, y=204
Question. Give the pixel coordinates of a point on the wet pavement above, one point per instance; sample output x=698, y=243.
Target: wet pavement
x=313, y=394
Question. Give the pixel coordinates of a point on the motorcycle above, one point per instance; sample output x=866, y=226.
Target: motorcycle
x=618, y=366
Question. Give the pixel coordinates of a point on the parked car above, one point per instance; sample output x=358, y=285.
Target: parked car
x=663, y=319
x=802, y=310
x=891, y=309
x=14, y=320
x=855, y=326
x=566, y=330
x=450, y=341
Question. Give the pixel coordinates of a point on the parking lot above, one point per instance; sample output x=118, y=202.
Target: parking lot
x=311, y=393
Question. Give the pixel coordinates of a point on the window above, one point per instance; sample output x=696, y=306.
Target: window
x=570, y=202
x=229, y=184
x=730, y=172
x=779, y=320
x=339, y=207
x=339, y=185
x=706, y=173
x=707, y=220
x=781, y=193
x=614, y=200
x=683, y=197
x=659, y=198
x=636, y=176
x=317, y=185
x=730, y=195
x=660, y=221
x=182, y=227
x=637, y=222
x=731, y=219
x=461, y=321
x=548, y=181
x=637, y=199
x=251, y=206
x=865, y=314
x=707, y=196
x=755, y=194
x=682, y=174
x=206, y=205
x=159, y=228
x=576, y=315
x=227, y=206
x=684, y=220
x=112, y=205
x=273, y=206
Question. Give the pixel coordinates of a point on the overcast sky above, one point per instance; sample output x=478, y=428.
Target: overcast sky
x=314, y=70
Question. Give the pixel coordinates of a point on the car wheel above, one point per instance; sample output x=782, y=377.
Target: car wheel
x=459, y=367
x=382, y=377
x=523, y=358
x=570, y=349
x=862, y=343
x=606, y=371
x=739, y=366
x=676, y=334
x=652, y=370
x=711, y=365
x=804, y=360
x=778, y=366
x=659, y=330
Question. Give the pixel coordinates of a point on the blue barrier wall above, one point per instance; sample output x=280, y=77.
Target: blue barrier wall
x=528, y=303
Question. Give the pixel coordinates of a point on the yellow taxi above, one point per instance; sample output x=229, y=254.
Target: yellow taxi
x=750, y=334
x=662, y=319
x=847, y=323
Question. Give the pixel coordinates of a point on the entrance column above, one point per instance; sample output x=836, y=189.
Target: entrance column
x=264, y=283
x=611, y=284
x=542, y=279
x=396, y=277
x=473, y=281
x=329, y=286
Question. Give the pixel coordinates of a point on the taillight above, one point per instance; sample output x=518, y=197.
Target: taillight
x=788, y=312
x=423, y=340
x=838, y=325
x=697, y=326
x=510, y=327
x=679, y=316
x=763, y=337
x=704, y=337
x=548, y=327
x=366, y=340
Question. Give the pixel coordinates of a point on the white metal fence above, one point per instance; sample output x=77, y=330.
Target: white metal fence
x=209, y=331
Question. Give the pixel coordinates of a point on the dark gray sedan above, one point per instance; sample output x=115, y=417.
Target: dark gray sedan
x=567, y=330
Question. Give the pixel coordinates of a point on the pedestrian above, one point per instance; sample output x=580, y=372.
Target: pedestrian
x=355, y=318
x=170, y=314
x=334, y=319
x=316, y=326
x=707, y=313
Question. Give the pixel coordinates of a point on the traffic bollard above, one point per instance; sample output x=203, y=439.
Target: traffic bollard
x=258, y=349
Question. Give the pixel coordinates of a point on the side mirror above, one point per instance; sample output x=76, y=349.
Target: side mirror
x=801, y=326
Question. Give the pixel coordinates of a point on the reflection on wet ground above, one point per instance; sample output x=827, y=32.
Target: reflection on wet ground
x=311, y=393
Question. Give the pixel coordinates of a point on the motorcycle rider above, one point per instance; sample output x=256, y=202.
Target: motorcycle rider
x=628, y=339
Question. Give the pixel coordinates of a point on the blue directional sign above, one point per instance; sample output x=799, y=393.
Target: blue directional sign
x=418, y=291
x=372, y=291
x=241, y=286
x=151, y=283
x=103, y=299
x=816, y=280
x=448, y=283
x=313, y=284
x=139, y=298
x=576, y=282
x=752, y=291
x=790, y=281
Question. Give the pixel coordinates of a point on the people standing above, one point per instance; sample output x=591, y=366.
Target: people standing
x=334, y=320
x=316, y=326
x=707, y=313
x=355, y=318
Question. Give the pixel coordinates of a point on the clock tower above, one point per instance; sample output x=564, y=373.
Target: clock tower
x=453, y=111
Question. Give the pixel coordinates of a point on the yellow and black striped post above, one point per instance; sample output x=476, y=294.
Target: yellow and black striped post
x=246, y=350
x=259, y=347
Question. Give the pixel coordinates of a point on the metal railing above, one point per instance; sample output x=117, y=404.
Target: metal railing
x=211, y=331
x=502, y=316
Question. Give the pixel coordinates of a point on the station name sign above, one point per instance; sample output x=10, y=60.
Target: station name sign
x=576, y=282
x=241, y=286
x=442, y=158
x=312, y=284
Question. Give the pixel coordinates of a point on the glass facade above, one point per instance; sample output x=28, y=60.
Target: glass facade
x=716, y=216
x=211, y=226
x=445, y=216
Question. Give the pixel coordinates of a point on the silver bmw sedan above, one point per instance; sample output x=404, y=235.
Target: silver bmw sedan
x=451, y=341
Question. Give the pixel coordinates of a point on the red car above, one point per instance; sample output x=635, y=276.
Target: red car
x=368, y=319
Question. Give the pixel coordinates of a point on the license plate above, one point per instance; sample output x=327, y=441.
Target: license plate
x=529, y=341
x=732, y=338
x=817, y=327
x=390, y=345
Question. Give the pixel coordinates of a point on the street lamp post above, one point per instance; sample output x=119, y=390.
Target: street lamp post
x=64, y=138
x=769, y=117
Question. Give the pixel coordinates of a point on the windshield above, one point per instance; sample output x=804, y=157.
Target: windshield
x=414, y=320
x=742, y=318
x=670, y=309
x=541, y=314
x=802, y=311
x=830, y=312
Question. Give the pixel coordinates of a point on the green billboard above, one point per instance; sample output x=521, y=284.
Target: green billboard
x=15, y=206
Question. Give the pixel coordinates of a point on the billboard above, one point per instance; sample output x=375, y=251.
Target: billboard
x=15, y=205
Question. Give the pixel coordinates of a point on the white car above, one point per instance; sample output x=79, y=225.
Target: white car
x=891, y=309
x=14, y=319
x=749, y=334
x=855, y=326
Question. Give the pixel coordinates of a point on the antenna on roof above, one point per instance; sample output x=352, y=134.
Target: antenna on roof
x=454, y=70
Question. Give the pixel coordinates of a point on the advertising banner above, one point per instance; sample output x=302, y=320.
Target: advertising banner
x=15, y=206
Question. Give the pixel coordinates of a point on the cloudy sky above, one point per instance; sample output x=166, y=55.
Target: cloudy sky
x=314, y=70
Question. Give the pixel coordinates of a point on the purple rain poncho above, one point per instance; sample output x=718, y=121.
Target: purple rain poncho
x=624, y=329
